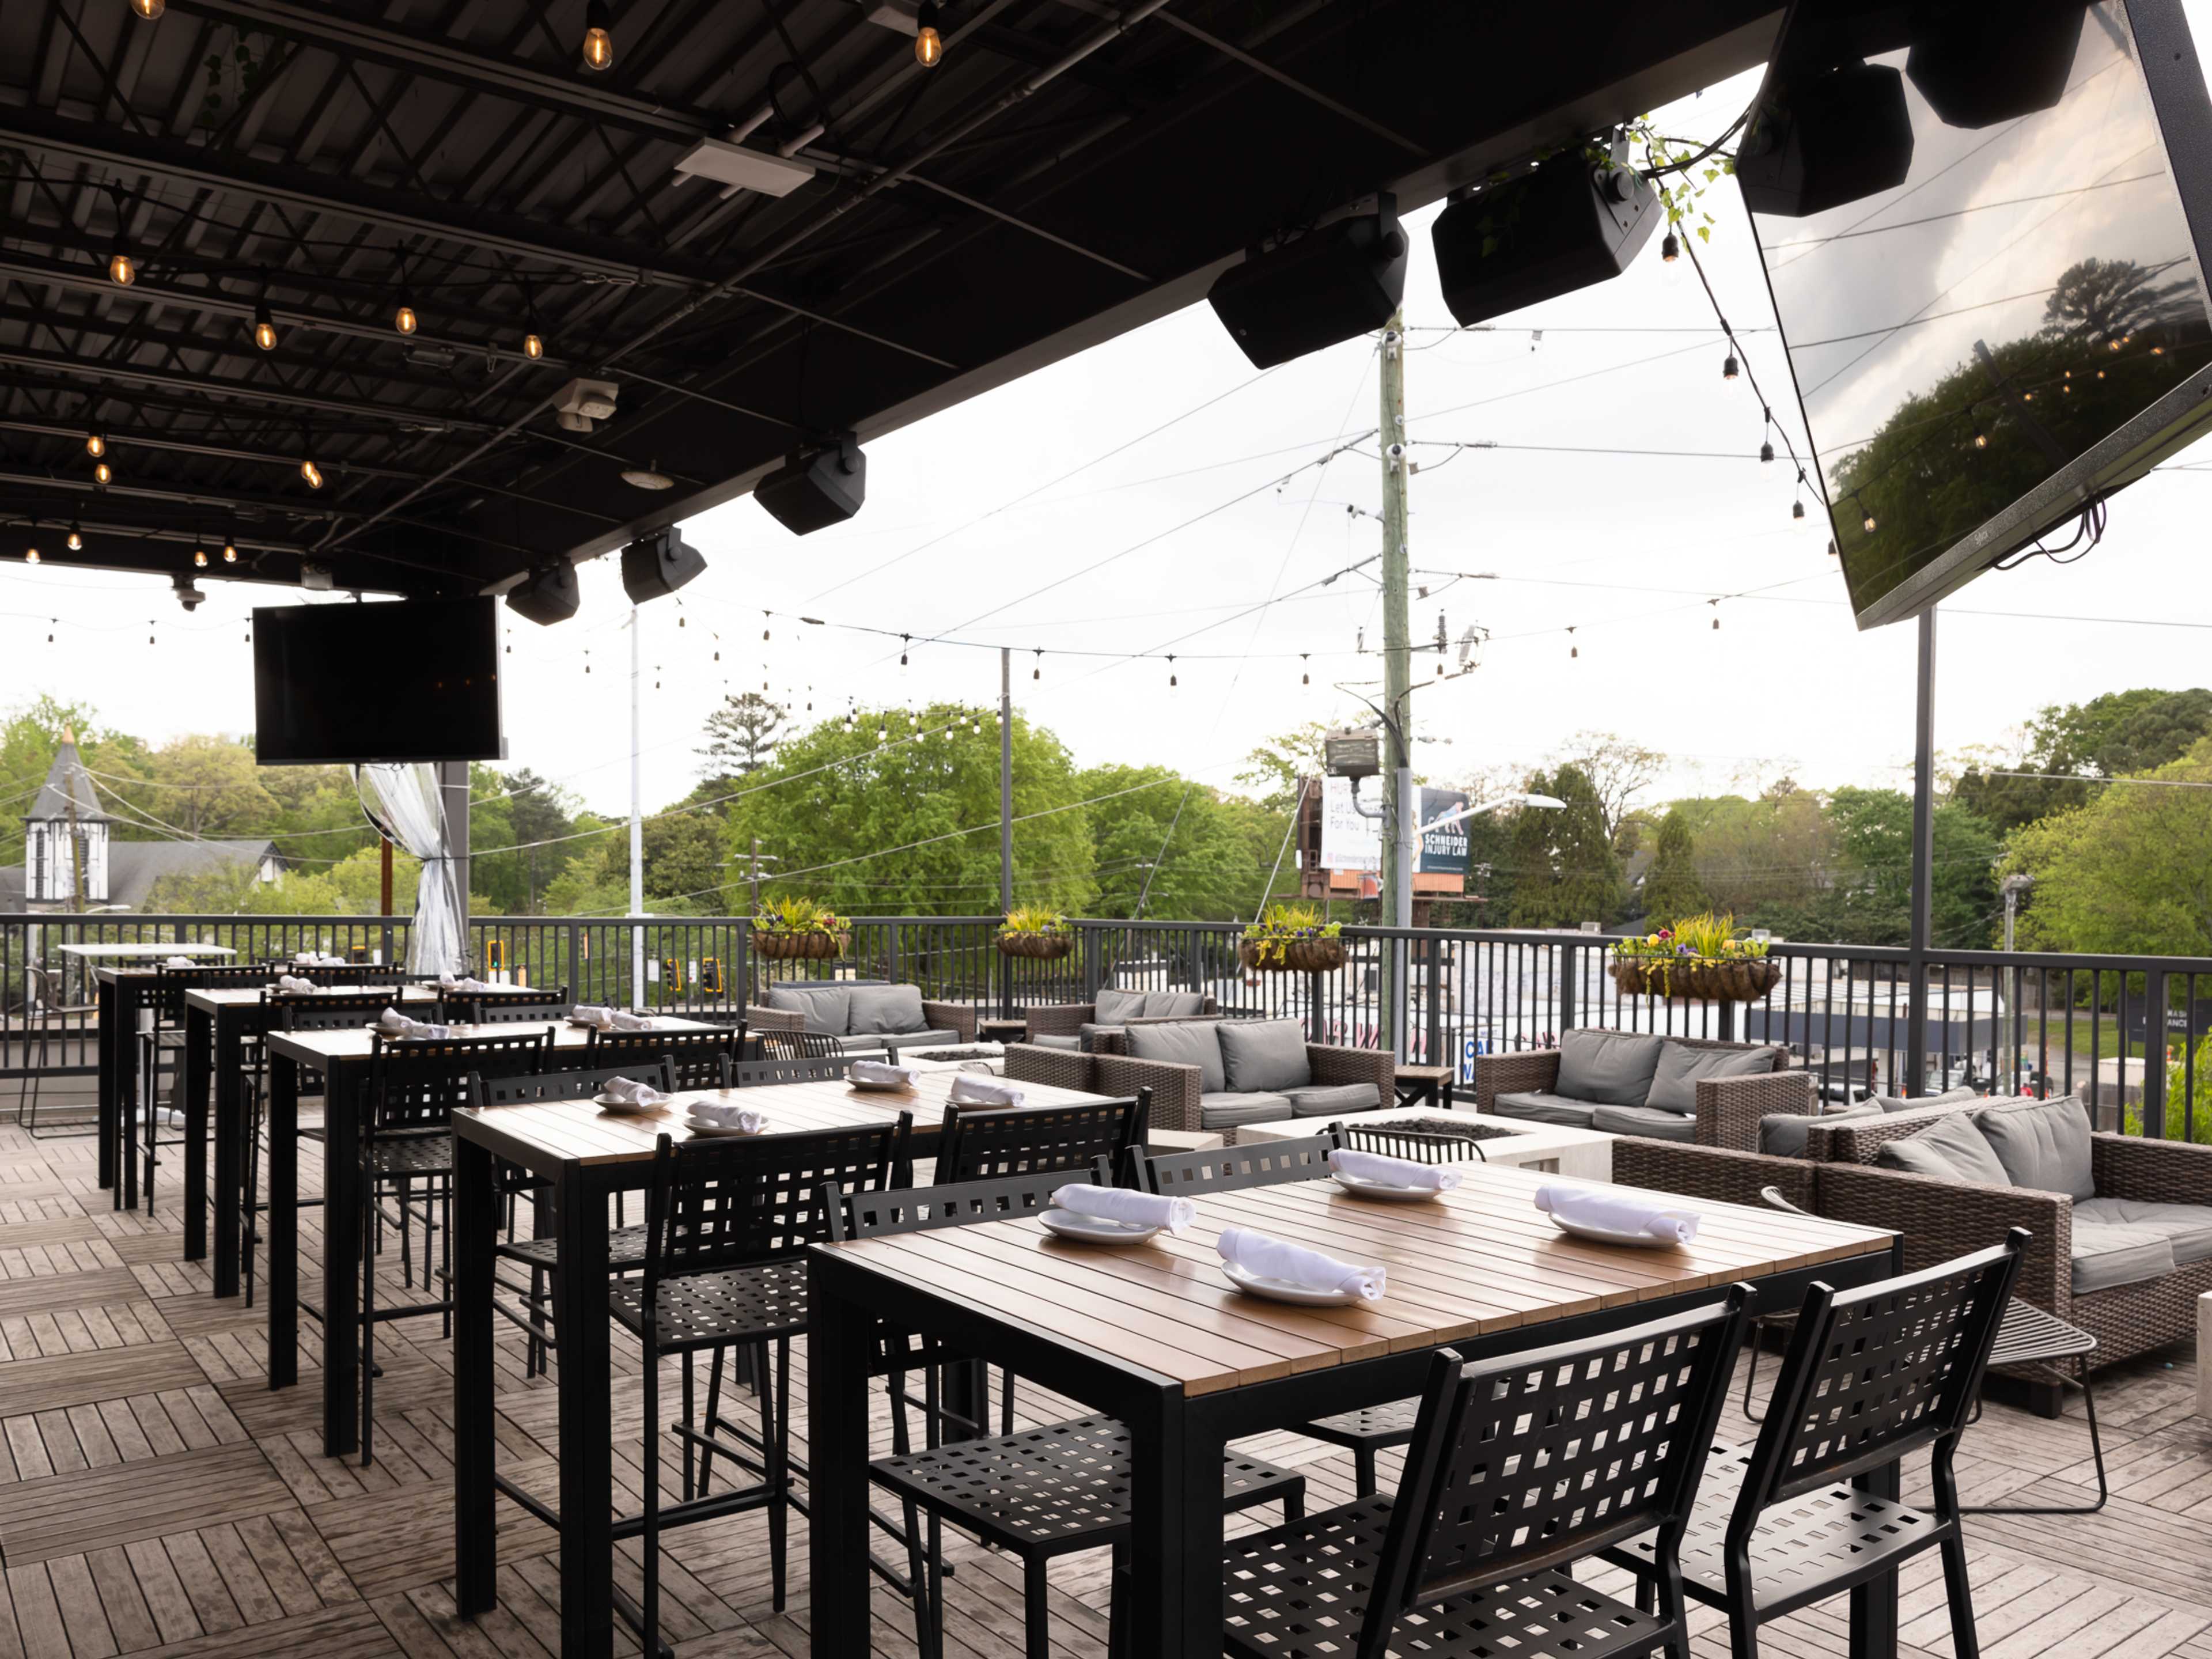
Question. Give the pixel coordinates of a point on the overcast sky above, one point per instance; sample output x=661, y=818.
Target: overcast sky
x=1150, y=493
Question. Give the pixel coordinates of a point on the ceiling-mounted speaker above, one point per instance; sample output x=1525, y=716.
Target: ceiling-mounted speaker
x=546, y=596
x=1978, y=65
x=817, y=487
x=1822, y=139
x=1344, y=279
x=656, y=564
x=1559, y=227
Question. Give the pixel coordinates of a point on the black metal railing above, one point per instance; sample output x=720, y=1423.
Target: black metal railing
x=2132, y=1036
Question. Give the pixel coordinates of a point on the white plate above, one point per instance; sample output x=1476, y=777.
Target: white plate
x=1615, y=1236
x=1281, y=1290
x=627, y=1108
x=1360, y=1186
x=588, y=1025
x=700, y=1126
x=1094, y=1230
x=880, y=1088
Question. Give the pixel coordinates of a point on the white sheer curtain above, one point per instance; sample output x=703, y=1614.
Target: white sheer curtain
x=406, y=802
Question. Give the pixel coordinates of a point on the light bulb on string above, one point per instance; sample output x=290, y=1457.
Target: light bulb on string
x=1766, y=436
x=122, y=268
x=1670, y=248
x=1171, y=673
x=1305, y=674
x=598, y=36
x=102, y=473
x=533, y=343
x=1729, y=367
x=928, y=44
x=902, y=645
x=31, y=548
x=1038, y=673
x=95, y=443
x=75, y=538
x=264, y=324
x=151, y=10
x=1981, y=439
x=403, y=318
x=1573, y=650
x=229, y=550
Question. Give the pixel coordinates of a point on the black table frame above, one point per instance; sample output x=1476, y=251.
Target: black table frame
x=1176, y=1547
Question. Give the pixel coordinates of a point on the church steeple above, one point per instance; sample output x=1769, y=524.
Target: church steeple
x=65, y=835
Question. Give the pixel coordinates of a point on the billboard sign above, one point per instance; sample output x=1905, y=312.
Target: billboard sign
x=1350, y=842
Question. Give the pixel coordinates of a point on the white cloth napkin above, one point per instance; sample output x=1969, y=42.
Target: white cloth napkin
x=624, y=1020
x=293, y=982
x=1271, y=1258
x=876, y=1071
x=1395, y=1172
x=747, y=1119
x=179, y=962
x=591, y=1013
x=637, y=1094
x=1621, y=1211
x=1123, y=1204
x=975, y=1089
x=447, y=982
x=393, y=1022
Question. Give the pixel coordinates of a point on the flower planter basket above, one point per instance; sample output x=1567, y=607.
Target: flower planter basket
x=799, y=947
x=1297, y=956
x=1737, y=979
x=1043, y=947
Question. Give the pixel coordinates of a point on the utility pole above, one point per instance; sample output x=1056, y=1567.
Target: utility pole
x=1404, y=812
x=636, y=828
x=2013, y=886
x=76, y=850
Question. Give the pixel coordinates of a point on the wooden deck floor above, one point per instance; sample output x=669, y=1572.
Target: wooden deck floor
x=156, y=1497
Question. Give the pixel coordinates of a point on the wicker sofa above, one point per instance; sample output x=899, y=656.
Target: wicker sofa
x=1722, y=1110
x=1097, y=1025
x=862, y=1014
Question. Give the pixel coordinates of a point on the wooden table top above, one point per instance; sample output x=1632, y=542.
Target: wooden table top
x=352, y=1041
x=578, y=1132
x=1482, y=1259
x=211, y=1001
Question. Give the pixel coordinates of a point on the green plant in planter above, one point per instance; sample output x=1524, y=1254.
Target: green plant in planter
x=794, y=917
x=1028, y=919
x=1281, y=926
x=1690, y=943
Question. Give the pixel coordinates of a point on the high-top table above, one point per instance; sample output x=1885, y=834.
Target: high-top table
x=115, y=993
x=1154, y=1335
x=342, y=1056
x=588, y=1156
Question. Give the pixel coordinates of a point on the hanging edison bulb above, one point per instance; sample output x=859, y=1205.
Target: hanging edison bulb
x=311, y=472
x=75, y=538
x=928, y=44
x=95, y=443
x=102, y=473
x=598, y=36
x=265, y=327
x=151, y=10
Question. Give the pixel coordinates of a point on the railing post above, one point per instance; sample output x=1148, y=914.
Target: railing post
x=1563, y=982
x=2154, y=1083
x=1433, y=1040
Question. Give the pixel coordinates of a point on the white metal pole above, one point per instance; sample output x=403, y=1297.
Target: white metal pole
x=636, y=825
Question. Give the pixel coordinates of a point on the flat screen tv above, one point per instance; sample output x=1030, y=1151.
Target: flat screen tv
x=417, y=680
x=1981, y=227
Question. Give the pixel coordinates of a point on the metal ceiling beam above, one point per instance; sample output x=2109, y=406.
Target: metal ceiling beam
x=68, y=368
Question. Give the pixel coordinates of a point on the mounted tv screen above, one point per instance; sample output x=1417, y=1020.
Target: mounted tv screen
x=1981, y=228
x=340, y=684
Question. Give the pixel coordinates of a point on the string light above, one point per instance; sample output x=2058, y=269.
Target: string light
x=1171, y=673
x=1573, y=650
x=1670, y=248
x=309, y=470
x=1038, y=673
x=75, y=538
x=264, y=325
x=95, y=443
x=1766, y=437
x=151, y=10
x=903, y=638
x=533, y=346
x=1981, y=439
x=1305, y=674
x=403, y=319
x=121, y=271
x=598, y=36
x=928, y=44
x=102, y=473
x=1866, y=522
x=200, y=554
x=31, y=548
x=1729, y=367
x=1716, y=604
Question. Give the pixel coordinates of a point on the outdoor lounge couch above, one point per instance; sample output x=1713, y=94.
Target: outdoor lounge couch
x=1642, y=1084
x=862, y=1014
x=1086, y=1027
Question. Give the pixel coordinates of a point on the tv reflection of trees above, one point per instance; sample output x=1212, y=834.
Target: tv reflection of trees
x=2115, y=338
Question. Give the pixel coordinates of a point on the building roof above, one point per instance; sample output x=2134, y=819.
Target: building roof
x=133, y=867
x=65, y=778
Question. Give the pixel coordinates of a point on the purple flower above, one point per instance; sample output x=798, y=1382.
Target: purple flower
x=1682, y=951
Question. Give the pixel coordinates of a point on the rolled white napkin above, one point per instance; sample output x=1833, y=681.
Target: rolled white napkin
x=179, y=962
x=876, y=1071
x=748, y=1119
x=592, y=1013
x=1121, y=1204
x=975, y=1089
x=1395, y=1172
x=638, y=1094
x=1271, y=1258
x=393, y=1022
x=1618, y=1210
x=447, y=982
x=624, y=1020
x=293, y=982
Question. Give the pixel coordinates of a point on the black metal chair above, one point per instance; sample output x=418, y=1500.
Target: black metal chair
x=45, y=1001
x=699, y=1060
x=1521, y=1466
x=727, y=1228
x=1038, y=1494
x=975, y=1145
x=798, y=1045
x=161, y=1047
x=536, y=1009
x=1872, y=1376
x=756, y=1073
x=1227, y=1169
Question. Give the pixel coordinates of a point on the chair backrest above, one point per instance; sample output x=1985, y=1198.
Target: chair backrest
x=414, y=1084
x=329, y=1010
x=1415, y=1146
x=1039, y=1140
x=515, y=1011
x=730, y=1203
x=958, y=1204
x=1531, y=1461
x=352, y=973
x=558, y=993
x=699, y=1060
x=1225, y=1169
x=798, y=1045
x=750, y=1074
x=227, y=974
x=1875, y=1374
x=579, y=1083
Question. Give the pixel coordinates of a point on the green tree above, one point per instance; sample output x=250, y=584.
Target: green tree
x=1870, y=902
x=2066, y=748
x=741, y=735
x=28, y=742
x=1564, y=869
x=1273, y=770
x=1671, y=888
x=2130, y=872
x=209, y=786
x=1147, y=822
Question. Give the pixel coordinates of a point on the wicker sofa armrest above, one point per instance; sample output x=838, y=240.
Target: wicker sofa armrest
x=1535, y=1069
x=1858, y=1139
x=762, y=1018
x=2151, y=1171
x=957, y=1018
x=1728, y=1108
x=1057, y=1018
x=1176, y=1089
x=1063, y=1068
x=1376, y=1065
x=1710, y=1172
x=1942, y=1219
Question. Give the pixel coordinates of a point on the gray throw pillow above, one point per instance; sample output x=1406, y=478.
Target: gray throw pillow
x=886, y=1010
x=1173, y=1004
x=1261, y=1054
x=1914, y=1102
x=1182, y=1043
x=827, y=1010
x=2044, y=1144
x=1681, y=1068
x=1608, y=1068
x=1115, y=1006
x=1784, y=1134
x=1949, y=1149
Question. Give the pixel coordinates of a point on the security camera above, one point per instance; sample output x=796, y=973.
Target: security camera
x=1396, y=451
x=187, y=595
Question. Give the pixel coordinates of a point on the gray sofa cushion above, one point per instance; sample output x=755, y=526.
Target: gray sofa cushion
x=1227, y=1111
x=1536, y=1107
x=1652, y=1123
x=826, y=1008
x=2105, y=1256
x=1182, y=1043
x=1674, y=1080
x=885, y=1009
x=1049, y=1041
x=903, y=1041
x=2188, y=1226
x=1331, y=1099
x=1607, y=1068
x=1262, y=1053
x=1114, y=1006
x=2045, y=1145
x=1914, y=1102
x=1949, y=1149
x=1173, y=1004
x=1782, y=1134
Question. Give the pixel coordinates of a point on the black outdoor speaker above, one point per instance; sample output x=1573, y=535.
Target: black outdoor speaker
x=816, y=489
x=1978, y=65
x=1825, y=139
x=1559, y=227
x=656, y=564
x=1330, y=285
x=546, y=596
